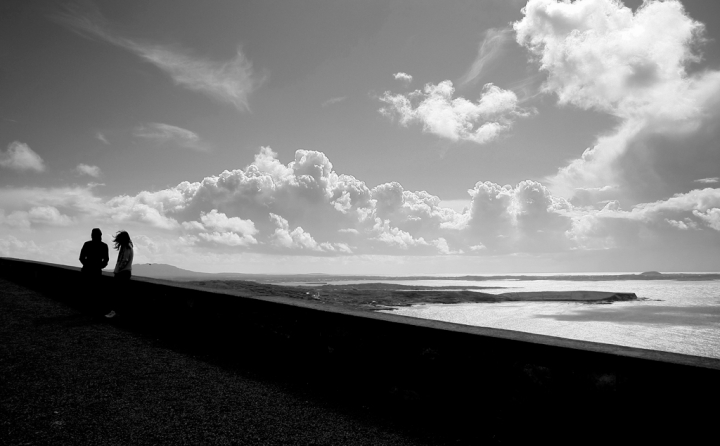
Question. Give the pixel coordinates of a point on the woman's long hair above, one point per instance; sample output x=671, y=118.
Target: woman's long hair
x=122, y=240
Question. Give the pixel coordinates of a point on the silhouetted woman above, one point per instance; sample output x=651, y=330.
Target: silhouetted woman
x=123, y=267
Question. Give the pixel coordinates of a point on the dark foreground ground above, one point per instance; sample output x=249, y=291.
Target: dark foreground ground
x=67, y=377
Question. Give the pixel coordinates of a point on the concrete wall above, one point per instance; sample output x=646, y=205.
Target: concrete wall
x=466, y=377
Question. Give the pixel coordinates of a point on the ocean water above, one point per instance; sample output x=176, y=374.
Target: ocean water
x=674, y=316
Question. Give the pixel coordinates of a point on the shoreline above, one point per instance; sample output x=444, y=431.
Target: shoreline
x=381, y=296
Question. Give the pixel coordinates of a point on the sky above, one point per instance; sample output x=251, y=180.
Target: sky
x=374, y=137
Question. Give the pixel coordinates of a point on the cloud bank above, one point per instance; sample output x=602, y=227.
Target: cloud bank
x=306, y=208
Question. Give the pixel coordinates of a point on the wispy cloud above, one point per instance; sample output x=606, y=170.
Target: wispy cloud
x=170, y=134
x=230, y=81
x=85, y=169
x=102, y=138
x=708, y=180
x=456, y=119
x=404, y=77
x=489, y=49
x=332, y=101
x=20, y=156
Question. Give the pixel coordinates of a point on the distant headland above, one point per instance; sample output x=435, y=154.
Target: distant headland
x=169, y=272
x=365, y=296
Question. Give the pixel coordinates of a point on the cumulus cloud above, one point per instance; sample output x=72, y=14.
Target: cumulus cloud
x=488, y=50
x=710, y=180
x=304, y=207
x=20, y=156
x=224, y=230
x=456, y=119
x=403, y=77
x=600, y=55
x=230, y=81
x=86, y=169
x=171, y=135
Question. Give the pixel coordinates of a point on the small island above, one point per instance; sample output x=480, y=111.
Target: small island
x=381, y=296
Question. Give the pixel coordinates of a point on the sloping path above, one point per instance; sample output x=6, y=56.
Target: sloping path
x=69, y=378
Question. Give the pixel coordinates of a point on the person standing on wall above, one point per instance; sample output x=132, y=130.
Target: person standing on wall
x=123, y=266
x=94, y=257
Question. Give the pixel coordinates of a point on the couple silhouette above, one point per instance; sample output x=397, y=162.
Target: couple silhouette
x=94, y=257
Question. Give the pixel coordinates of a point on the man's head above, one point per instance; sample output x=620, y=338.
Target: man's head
x=96, y=234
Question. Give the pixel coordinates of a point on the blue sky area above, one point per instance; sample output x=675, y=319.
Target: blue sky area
x=390, y=137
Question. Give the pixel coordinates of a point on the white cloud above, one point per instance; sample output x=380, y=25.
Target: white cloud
x=11, y=246
x=404, y=77
x=297, y=238
x=38, y=215
x=170, y=134
x=601, y=55
x=682, y=225
x=230, y=81
x=456, y=119
x=488, y=50
x=220, y=221
x=708, y=180
x=146, y=207
x=306, y=208
x=101, y=137
x=86, y=169
x=230, y=231
x=227, y=238
x=332, y=101
x=20, y=156
x=710, y=217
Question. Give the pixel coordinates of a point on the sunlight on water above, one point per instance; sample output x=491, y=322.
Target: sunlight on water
x=680, y=317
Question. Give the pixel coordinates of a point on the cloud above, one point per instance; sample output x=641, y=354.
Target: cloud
x=403, y=77
x=306, y=208
x=20, y=156
x=600, y=55
x=488, y=50
x=230, y=231
x=11, y=246
x=332, y=101
x=38, y=215
x=710, y=180
x=230, y=81
x=456, y=119
x=101, y=137
x=85, y=169
x=170, y=134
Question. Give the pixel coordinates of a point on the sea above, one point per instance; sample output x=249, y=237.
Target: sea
x=677, y=316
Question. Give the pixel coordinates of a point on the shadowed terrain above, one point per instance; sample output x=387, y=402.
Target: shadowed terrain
x=67, y=377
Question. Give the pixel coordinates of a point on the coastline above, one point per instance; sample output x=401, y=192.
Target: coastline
x=380, y=296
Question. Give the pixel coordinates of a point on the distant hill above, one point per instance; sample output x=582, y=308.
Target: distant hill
x=169, y=272
x=163, y=271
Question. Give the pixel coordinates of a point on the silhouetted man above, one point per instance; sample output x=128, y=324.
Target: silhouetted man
x=94, y=254
x=94, y=257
